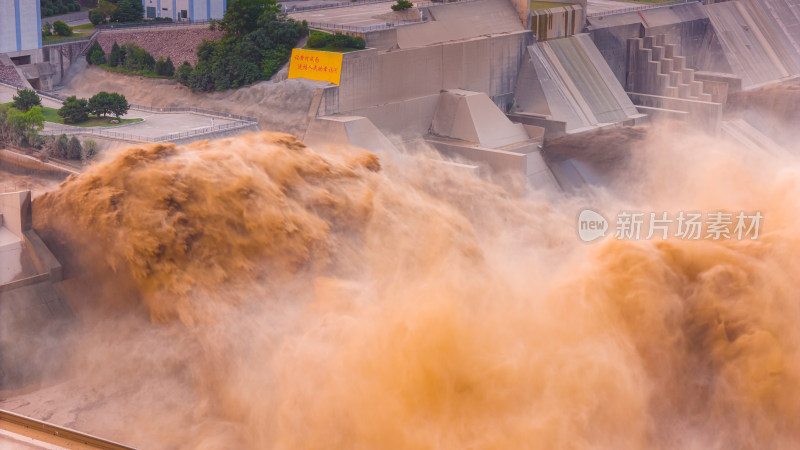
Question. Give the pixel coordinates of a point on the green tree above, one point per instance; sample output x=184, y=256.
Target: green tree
x=105, y=103
x=242, y=16
x=257, y=40
x=60, y=147
x=74, y=148
x=128, y=11
x=20, y=128
x=96, y=16
x=90, y=149
x=165, y=67
x=96, y=55
x=402, y=5
x=61, y=29
x=26, y=99
x=117, y=55
x=119, y=105
x=183, y=73
x=74, y=110
x=137, y=58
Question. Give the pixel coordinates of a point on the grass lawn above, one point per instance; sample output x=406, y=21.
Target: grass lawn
x=328, y=48
x=141, y=73
x=535, y=6
x=86, y=26
x=51, y=115
x=55, y=38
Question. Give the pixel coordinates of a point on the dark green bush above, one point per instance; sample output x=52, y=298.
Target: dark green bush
x=61, y=29
x=26, y=99
x=402, y=5
x=74, y=110
x=165, y=68
x=95, y=55
x=257, y=40
x=96, y=16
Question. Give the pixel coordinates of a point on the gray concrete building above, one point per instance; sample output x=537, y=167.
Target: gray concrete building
x=20, y=25
x=181, y=10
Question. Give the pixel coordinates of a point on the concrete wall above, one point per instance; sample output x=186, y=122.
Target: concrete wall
x=407, y=83
x=557, y=23
x=195, y=9
x=20, y=25
x=706, y=116
x=686, y=26
x=16, y=210
x=487, y=65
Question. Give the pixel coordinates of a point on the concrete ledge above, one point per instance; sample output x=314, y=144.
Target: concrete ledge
x=552, y=128
x=704, y=115
x=24, y=282
x=44, y=260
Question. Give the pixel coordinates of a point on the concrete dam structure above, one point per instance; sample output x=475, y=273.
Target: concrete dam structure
x=566, y=69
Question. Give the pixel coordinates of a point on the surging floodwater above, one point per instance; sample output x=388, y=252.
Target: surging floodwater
x=251, y=292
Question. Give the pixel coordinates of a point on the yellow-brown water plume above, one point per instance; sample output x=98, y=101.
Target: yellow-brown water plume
x=334, y=303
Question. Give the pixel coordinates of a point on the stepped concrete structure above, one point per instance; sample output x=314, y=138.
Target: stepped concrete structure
x=564, y=67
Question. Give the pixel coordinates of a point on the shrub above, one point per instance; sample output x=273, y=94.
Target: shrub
x=96, y=16
x=20, y=128
x=74, y=110
x=128, y=11
x=337, y=41
x=273, y=61
x=74, y=148
x=402, y=5
x=116, y=56
x=136, y=58
x=104, y=103
x=96, y=55
x=61, y=147
x=257, y=38
x=90, y=148
x=183, y=73
x=165, y=68
x=47, y=29
x=318, y=40
x=26, y=99
x=61, y=29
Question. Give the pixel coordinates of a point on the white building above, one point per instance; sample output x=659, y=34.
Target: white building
x=192, y=10
x=20, y=25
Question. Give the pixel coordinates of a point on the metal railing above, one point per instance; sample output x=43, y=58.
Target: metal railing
x=68, y=40
x=640, y=8
x=101, y=132
x=297, y=9
x=440, y=3
x=207, y=112
x=363, y=29
x=127, y=26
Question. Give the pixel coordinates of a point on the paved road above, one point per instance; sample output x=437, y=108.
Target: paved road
x=72, y=19
x=154, y=125
x=355, y=16
x=598, y=6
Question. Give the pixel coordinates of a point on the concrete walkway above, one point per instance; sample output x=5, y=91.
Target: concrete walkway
x=155, y=124
x=71, y=19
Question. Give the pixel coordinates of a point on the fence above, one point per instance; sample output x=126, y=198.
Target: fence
x=297, y=9
x=207, y=112
x=128, y=26
x=70, y=40
x=101, y=132
x=640, y=8
x=364, y=29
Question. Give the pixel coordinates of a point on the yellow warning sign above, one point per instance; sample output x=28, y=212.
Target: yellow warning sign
x=316, y=65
